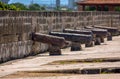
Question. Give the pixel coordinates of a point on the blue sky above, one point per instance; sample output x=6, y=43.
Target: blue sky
x=49, y=2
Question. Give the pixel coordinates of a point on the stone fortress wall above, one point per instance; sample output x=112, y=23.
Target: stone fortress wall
x=16, y=28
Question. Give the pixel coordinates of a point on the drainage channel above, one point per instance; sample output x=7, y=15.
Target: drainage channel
x=69, y=72
x=91, y=60
x=93, y=70
x=87, y=71
x=100, y=71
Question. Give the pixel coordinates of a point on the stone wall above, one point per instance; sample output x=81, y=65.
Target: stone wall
x=16, y=28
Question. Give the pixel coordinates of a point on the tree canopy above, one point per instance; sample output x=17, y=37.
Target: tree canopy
x=36, y=7
x=117, y=8
x=20, y=6
x=4, y=6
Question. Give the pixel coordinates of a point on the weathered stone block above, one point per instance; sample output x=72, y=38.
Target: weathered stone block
x=97, y=41
x=109, y=37
x=76, y=46
x=90, y=44
x=54, y=50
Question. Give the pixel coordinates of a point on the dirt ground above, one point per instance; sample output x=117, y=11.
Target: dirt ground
x=35, y=64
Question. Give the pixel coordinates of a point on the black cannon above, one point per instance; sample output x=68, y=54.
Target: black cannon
x=113, y=30
x=55, y=43
x=76, y=39
x=82, y=31
x=100, y=34
x=119, y=32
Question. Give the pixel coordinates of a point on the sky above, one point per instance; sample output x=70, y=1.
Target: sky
x=48, y=2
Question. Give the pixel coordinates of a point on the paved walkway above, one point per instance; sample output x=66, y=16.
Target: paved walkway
x=109, y=49
x=103, y=76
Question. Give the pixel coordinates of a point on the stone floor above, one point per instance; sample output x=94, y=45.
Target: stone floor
x=109, y=49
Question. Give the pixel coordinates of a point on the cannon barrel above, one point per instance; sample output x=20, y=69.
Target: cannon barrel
x=97, y=31
x=119, y=32
x=81, y=38
x=76, y=39
x=100, y=32
x=49, y=39
x=112, y=30
x=78, y=31
x=82, y=31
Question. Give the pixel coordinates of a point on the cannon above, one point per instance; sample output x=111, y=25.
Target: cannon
x=113, y=30
x=55, y=43
x=99, y=33
x=76, y=39
x=82, y=31
x=119, y=32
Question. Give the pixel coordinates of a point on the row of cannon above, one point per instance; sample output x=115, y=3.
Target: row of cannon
x=90, y=36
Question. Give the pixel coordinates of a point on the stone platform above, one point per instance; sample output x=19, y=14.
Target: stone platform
x=36, y=64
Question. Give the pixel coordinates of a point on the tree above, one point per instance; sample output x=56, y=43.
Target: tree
x=20, y=6
x=36, y=7
x=4, y=6
x=117, y=8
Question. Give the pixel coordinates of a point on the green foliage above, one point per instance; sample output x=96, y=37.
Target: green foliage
x=90, y=8
x=69, y=10
x=20, y=6
x=36, y=7
x=43, y=8
x=4, y=6
x=57, y=9
x=117, y=8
